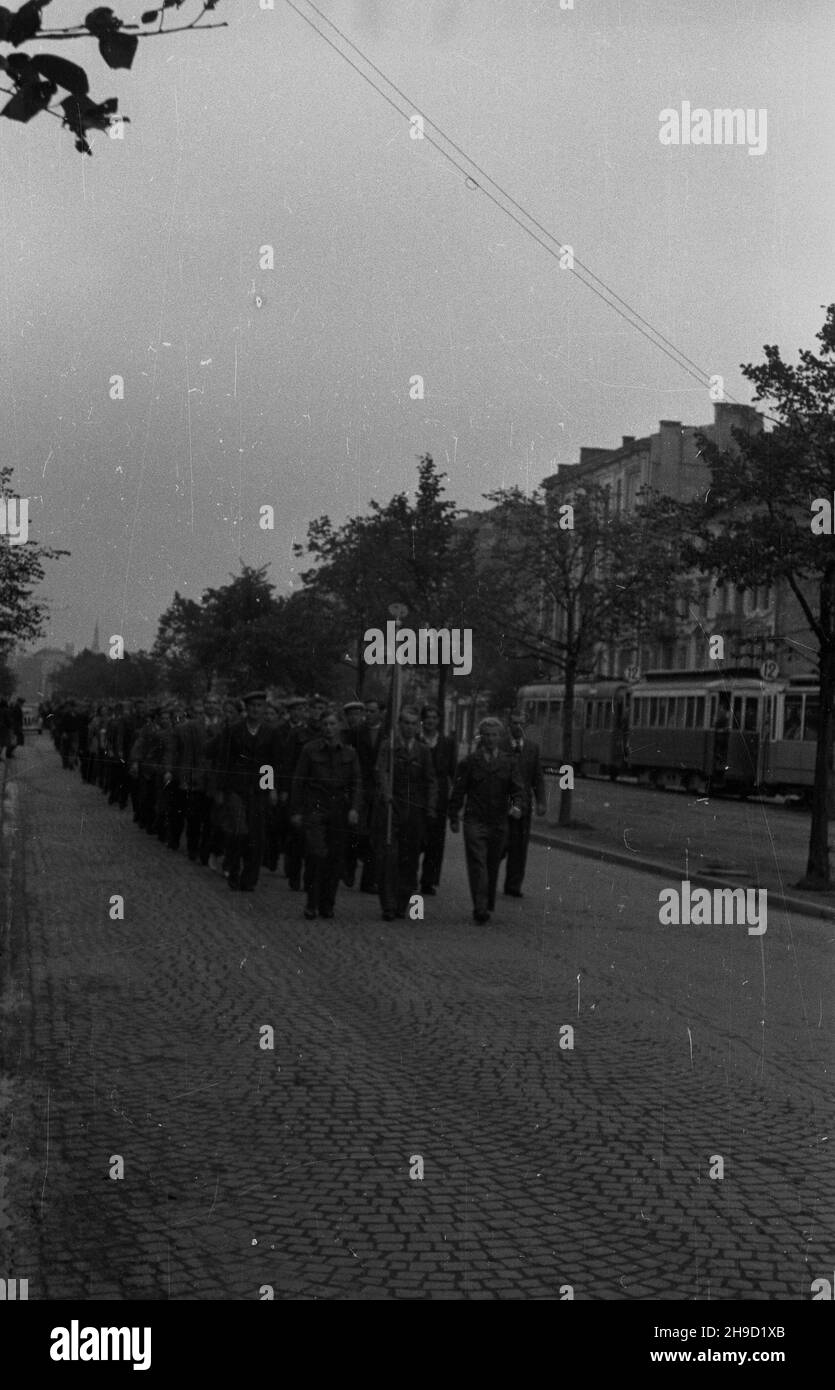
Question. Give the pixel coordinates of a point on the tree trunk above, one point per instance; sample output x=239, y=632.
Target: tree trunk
x=817, y=867
x=566, y=794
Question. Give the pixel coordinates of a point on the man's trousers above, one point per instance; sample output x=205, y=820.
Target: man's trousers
x=484, y=846
x=397, y=863
x=325, y=842
x=518, y=838
x=433, y=853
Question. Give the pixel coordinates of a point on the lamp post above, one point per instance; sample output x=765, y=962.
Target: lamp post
x=398, y=611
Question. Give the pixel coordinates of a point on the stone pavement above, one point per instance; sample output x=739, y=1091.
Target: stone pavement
x=248, y=1171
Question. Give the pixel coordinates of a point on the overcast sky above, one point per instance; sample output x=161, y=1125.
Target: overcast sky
x=144, y=262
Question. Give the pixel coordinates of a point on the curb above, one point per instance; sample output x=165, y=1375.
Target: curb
x=652, y=866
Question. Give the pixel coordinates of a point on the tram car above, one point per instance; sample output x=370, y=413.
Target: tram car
x=737, y=732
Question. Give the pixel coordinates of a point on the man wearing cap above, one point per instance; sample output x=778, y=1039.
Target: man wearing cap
x=325, y=803
x=243, y=761
x=488, y=782
x=185, y=776
x=444, y=760
x=404, y=803
x=529, y=767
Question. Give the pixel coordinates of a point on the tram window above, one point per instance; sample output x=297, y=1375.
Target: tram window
x=653, y=711
x=555, y=711
x=608, y=715
x=690, y=713
x=662, y=712
x=677, y=713
x=792, y=716
x=810, y=723
x=700, y=711
x=530, y=710
x=751, y=715
x=736, y=722
x=589, y=713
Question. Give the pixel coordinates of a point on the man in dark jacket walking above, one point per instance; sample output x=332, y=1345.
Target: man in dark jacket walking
x=489, y=783
x=403, y=806
x=529, y=767
x=325, y=804
x=444, y=760
x=248, y=749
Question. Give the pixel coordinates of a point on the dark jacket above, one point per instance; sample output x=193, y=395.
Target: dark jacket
x=415, y=784
x=241, y=758
x=327, y=781
x=530, y=771
x=490, y=786
x=445, y=761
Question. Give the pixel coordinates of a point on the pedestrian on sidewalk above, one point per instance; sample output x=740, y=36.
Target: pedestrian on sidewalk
x=489, y=789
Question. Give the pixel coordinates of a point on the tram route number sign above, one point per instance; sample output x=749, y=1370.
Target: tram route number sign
x=770, y=670
x=632, y=673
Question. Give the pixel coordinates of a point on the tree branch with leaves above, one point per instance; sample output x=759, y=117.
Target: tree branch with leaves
x=37, y=79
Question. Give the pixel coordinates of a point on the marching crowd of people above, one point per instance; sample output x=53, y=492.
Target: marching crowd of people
x=256, y=784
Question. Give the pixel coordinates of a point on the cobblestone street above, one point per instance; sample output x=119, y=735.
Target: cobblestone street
x=543, y=1166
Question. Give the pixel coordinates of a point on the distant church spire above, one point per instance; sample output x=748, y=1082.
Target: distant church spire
x=95, y=645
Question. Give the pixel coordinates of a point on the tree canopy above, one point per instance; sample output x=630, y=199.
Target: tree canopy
x=36, y=79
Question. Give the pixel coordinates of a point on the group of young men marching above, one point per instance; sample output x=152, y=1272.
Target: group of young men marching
x=329, y=795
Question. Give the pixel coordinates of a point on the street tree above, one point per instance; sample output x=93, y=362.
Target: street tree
x=410, y=551
x=22, y=616
x=758, y=523
x=561, y=576
x=231, y=634
x=36, y=79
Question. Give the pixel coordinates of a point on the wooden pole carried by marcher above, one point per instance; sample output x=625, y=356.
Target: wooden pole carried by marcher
x=398, y=611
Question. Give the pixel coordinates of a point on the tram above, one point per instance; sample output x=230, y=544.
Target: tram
x=738, y=732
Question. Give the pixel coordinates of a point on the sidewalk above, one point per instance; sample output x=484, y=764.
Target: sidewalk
x=712, y=841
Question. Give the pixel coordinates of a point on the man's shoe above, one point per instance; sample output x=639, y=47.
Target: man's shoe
x=481, y=917
x=310, y=914
x=428, y=892
x=388, y=916
x=233, y=881
x=513, y=893
x=294, y=884
x=326, y=915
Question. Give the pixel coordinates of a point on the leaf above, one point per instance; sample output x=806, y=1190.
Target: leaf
x=102, y=21
x=149, y=16
x=81, y=114
x=26, y=23
x=118, y=50
x=5, y=21
x=64, y=73
x=29, y=101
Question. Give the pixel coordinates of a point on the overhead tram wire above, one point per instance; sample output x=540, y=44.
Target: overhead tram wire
x=483, y=172
x=677, y=356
